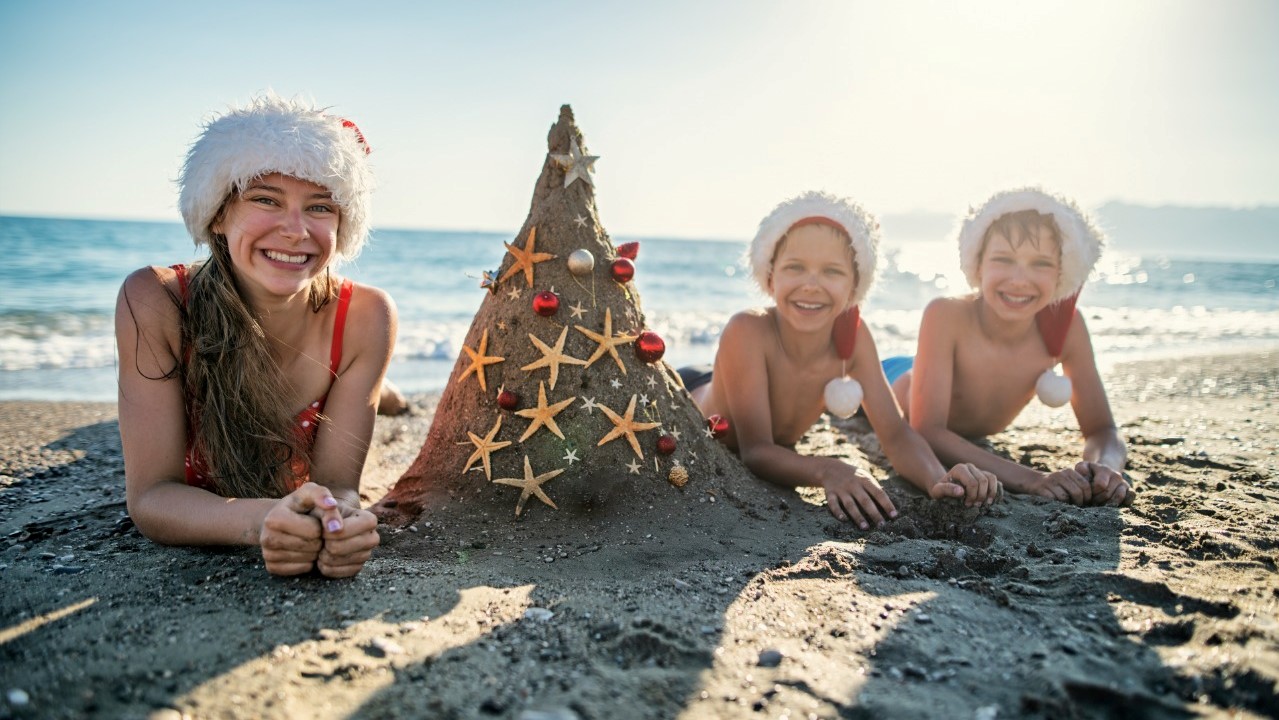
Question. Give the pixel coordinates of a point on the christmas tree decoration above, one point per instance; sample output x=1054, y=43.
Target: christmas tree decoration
x=629, y=250
x=649, y=347
x=581, y=262
x=622, y=270
x=678, y=476
x=550, y=376
x=546, y=303
x=717, y=425
x=479, y=359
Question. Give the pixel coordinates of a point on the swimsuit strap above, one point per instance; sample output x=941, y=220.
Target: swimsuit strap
x=339, y=324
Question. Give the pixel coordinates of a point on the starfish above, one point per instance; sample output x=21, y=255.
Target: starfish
x=708, y=433
x=607, y=341
x=652, y=381
x=675, y=434
x=544, y=414
x=634, y=467
x=552, y=357
x=525, y=259
x=626, y=425
x=484, y=447
x=643, y=400
x=577, y=310
x=530, y=485
x=617, y=384
x=570, y=457
x=514, y=294
x=479, y=360
x=580, y=220
x=576, y=164
x=588, y=404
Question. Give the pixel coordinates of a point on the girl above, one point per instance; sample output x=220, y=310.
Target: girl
x=249, y=380
x=815, y=255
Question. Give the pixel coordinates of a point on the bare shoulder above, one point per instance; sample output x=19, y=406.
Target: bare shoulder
x=150, y=296
x=950, y=308
x=750, y=323
x=371, y=320
x=368, y=302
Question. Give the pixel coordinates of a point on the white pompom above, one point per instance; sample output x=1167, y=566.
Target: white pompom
x=843, y=396
x=1053, y=389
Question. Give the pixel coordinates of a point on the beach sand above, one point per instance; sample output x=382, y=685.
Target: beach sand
x=727, y=598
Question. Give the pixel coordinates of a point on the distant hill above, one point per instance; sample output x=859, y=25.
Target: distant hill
x=1165, y=229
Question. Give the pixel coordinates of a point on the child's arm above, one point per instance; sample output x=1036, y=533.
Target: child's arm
x=906, y=450
x=1104, y=451
x=343, y=440
x=741, y=367
x=153, y=437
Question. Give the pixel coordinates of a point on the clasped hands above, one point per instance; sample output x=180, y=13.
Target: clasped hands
x=310, y=528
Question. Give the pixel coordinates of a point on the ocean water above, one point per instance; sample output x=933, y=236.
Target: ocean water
x=59, y=279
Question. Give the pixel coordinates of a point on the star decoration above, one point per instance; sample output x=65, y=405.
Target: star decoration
x=501, y=325
x=692, y=457
x=576, y=164
x=580, y=220
x=643, y=399
x=652, y=381
x=588, y=404
x=617, y=384
x=543, y=414
x=625, y=425
x=708, y=432
x=675, y=434
x=530, y=486
x=525, y=259
x=577, y=310
x=484, y=447
x=634, y=467
x=514, y=294
x=570, y=457
x=479, y=360
x=552, y=357
x=607, y=341
x=488, y=281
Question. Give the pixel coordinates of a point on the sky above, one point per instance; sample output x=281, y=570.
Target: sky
x=704, y=114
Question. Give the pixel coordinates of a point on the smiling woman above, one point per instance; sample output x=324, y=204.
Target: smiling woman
x=249, y=381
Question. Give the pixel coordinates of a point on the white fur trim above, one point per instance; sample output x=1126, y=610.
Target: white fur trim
x=275, y=135
x=1081, y=240
x=862, y=227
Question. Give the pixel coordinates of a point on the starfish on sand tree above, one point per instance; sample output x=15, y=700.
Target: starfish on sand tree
x=543, y=414
x=478, y=360
x=625, y=425
x=484, y=447
x=576, y=164
x=530, y=485
x=525, y=259
x=552, y=357
x=608, y=342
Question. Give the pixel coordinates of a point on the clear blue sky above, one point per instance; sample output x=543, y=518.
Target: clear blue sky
x=704, y=114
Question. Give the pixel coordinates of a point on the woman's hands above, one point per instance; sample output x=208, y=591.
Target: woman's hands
x=309, y=528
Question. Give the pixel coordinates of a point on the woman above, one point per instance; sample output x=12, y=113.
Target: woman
x=249, y=380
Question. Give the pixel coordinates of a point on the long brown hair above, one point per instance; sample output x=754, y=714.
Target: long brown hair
x=239, y=419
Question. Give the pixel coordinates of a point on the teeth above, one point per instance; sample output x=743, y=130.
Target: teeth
x=808, y=306
x=282, y=257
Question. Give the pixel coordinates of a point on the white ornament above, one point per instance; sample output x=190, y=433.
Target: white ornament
x=1053, y=389
x=843, y=396
x=581, y=261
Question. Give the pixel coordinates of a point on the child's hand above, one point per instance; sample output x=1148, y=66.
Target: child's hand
x=1068, y=486
x=291, y=536
x=1109, y=487
x=974, y=485
x=852, y=494
x=346, y=550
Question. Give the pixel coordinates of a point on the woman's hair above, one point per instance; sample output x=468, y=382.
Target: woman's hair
x=238, y=407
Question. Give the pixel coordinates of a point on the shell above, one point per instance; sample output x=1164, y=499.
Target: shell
x=678, y=476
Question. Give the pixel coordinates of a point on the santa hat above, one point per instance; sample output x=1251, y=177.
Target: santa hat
x=275, y=135
x=1081, y=240
x=819, y=207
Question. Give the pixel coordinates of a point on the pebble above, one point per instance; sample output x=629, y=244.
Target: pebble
x=559, y=713
x=538, y=614
x=387, y=646
x=164, y=714
x=923, y=618
x=770, y=658
x=18, y=697
x=988, y=712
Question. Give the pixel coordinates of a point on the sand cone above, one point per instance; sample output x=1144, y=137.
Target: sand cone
x=560, y=402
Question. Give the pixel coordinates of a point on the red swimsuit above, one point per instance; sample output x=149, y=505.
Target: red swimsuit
x=308, y=420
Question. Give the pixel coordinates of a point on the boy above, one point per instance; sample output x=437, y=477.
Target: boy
x=981, y=357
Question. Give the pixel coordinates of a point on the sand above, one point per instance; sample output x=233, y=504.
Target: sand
x=726, y=598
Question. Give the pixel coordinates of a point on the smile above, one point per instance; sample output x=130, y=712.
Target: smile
x=1017, y=300
x=808, y=306
x=286, y=258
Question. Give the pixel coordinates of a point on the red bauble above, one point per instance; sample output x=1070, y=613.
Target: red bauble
x=666, y=444
x=629, y=250
x=623, y=270
x=546, y=303
x=508, y=400
x=649, y=346
x=718, y=425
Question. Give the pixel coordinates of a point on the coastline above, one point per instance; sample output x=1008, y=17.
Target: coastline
x=1030, y=609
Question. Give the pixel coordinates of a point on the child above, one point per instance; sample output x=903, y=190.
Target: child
x=815, y=255
x=249, y=380
x=982, y=356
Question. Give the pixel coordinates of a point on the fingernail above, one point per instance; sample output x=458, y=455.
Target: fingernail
x=334, y=525
x=865, y=526
x=892, y=514
x=328, y=502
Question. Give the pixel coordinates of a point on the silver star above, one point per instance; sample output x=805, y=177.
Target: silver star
x=514, y=294
x=675, y=434
x=708, y=433
x=576, y=164
x=643, y=399
x=577, y=310
x=617, y=384
x=570, y=457
x=634, y=466
x=693, y=457
x=652, y=381
x=589, y=406
x=580, y=220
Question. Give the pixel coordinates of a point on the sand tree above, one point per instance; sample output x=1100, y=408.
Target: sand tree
x=560, y=400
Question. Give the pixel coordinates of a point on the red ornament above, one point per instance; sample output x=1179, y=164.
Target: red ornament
x=628, y=250
x=666, y=444
x=508, y=400
x=623, y=270
x=546, y=303
x=718, y=425
x=649, y=346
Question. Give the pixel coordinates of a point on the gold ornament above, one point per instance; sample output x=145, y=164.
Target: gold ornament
x=678, y=476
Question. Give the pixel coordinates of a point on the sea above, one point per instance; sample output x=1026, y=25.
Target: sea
x=59, y=279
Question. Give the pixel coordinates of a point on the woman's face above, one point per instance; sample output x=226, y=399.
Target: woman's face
x=281, y=233
x=813, y=279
